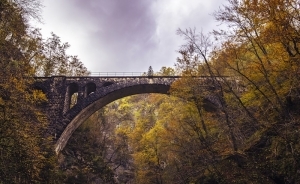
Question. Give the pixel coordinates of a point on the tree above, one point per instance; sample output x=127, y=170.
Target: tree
x=105, y=155
x=167, y=71
x=262, y=50
x=150, y=71
x=26, y=155
x=258, y=98
x=53, y=60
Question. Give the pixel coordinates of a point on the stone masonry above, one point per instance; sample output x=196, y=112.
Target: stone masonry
x=92, y=94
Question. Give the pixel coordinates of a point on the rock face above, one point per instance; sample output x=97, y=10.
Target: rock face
x=92, y=94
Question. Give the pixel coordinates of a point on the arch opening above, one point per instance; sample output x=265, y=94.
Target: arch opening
x=74, y=98
x=89, y=89
x=70, y=97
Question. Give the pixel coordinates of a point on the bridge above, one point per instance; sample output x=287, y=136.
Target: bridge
x=93, y=93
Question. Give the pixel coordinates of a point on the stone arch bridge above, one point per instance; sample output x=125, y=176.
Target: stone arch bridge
x=93, y=93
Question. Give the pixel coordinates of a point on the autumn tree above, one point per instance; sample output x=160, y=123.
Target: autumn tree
x=53, y=59
x=254, y=76
x=150, y=71
x=262, y=50
x=26, y=155
x=167, y=71
x=105, y=156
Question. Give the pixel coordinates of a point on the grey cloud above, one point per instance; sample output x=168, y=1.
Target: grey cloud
x=126, y=35
x=124, y=31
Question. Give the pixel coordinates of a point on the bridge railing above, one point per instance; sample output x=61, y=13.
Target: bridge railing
x=110, y=74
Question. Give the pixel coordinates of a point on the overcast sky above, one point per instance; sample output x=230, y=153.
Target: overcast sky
x=126, y=35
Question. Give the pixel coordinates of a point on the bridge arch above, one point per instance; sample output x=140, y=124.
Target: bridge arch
x=93, y=93
x=98, y=99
